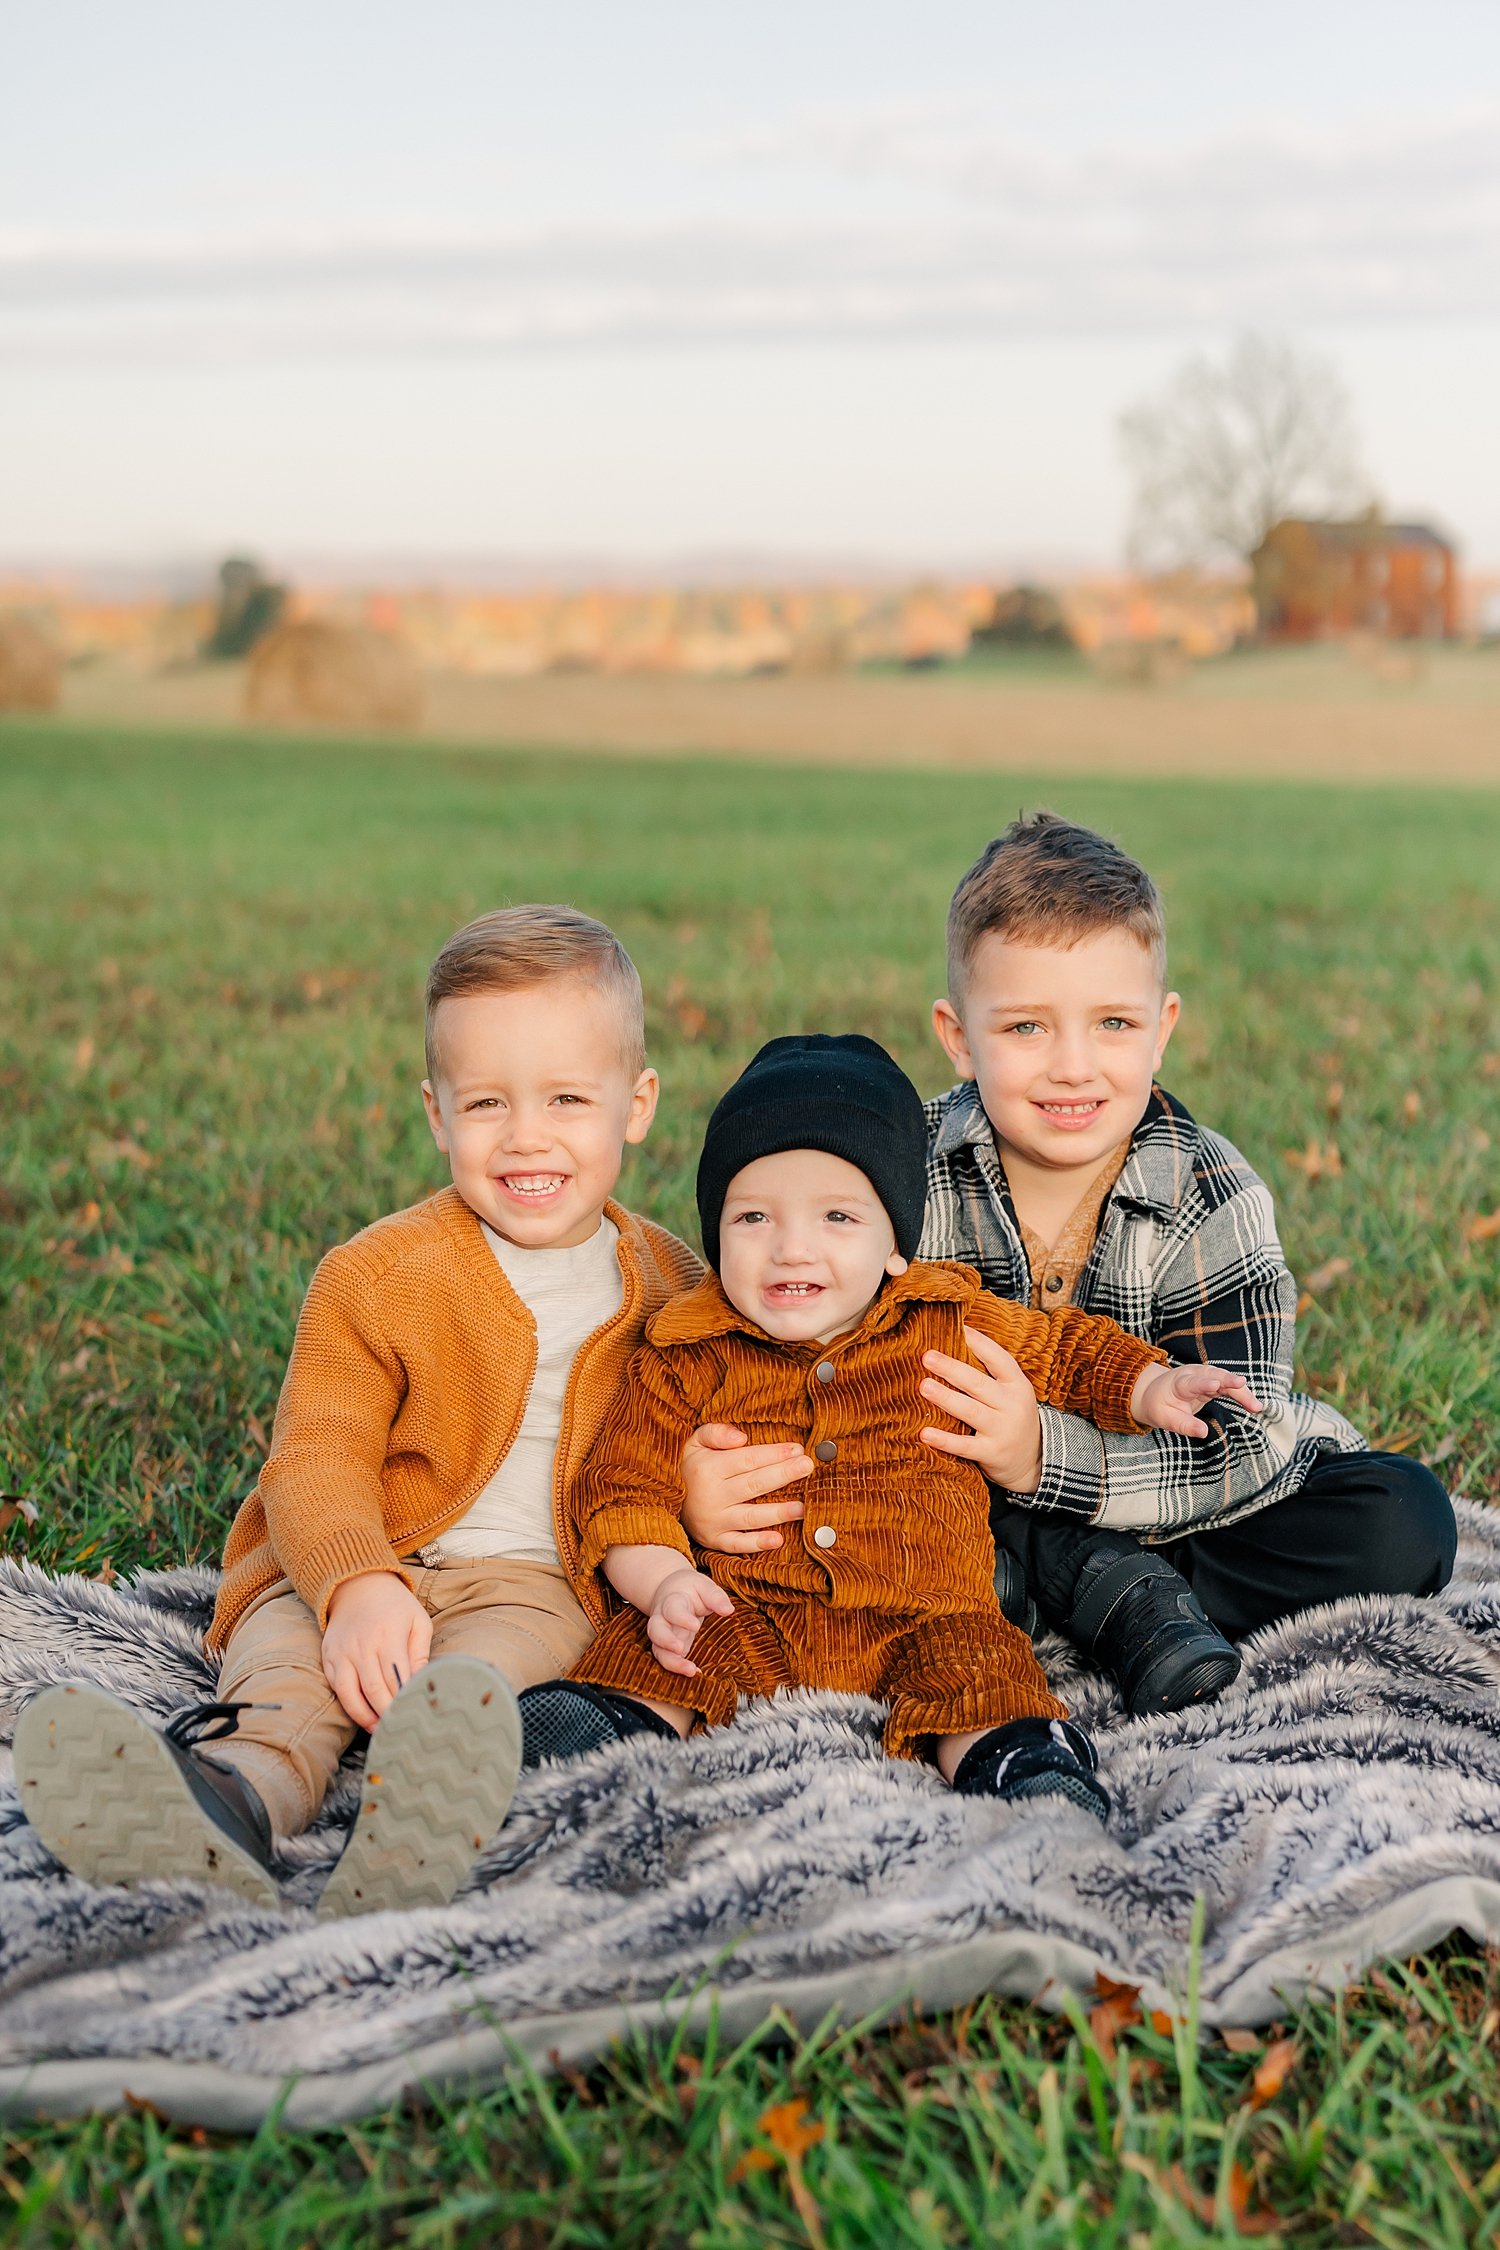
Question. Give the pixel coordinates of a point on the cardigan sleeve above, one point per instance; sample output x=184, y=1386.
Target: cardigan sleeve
x=321, y=1486
x=630, y=1493
x=1078, y=1362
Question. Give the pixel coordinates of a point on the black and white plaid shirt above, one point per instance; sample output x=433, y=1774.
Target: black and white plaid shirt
x=1187, y=1256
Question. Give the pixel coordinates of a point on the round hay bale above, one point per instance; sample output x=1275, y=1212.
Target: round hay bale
x=30, y=667
x=337, y=675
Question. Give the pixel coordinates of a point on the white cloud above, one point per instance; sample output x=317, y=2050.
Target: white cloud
x=987, y=237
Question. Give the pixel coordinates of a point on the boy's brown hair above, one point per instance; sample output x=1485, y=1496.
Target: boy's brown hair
x=520, y=946
x=1047, y=881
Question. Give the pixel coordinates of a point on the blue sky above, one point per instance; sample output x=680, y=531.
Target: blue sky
x=633, y=283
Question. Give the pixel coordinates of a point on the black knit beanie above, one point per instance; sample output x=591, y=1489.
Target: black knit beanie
x=844, y=1095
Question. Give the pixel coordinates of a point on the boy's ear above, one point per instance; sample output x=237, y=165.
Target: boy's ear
x=434, y=1115
x=1171, y=1009
x=896, y=1264
x=952, y=1037
x=643, y=1100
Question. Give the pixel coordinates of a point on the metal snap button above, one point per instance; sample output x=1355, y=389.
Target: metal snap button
x=826, y=1371
x=825, y=1535
x=825, y=1450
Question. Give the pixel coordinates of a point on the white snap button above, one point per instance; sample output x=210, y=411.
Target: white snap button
x=825, y=1535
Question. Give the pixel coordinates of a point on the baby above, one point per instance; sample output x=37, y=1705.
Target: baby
x=812, y=1328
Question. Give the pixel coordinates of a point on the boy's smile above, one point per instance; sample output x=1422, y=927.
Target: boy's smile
x=804, y=1244
x=534, y=1107
x=1063, y=1043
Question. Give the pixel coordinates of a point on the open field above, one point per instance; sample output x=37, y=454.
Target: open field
x=209, y=1053
x=1300, y=714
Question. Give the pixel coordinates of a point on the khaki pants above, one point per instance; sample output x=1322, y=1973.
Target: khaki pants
x=519, y=1616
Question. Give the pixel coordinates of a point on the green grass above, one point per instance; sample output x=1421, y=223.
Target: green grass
x=209, y=1053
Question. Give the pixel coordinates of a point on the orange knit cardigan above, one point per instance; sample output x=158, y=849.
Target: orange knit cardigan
x=890, y=1524
x=405, y=1389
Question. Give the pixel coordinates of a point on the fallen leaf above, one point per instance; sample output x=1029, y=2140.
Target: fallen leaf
x=83, y=1053
x=1323, y=1277
x=1201, y=2205
x=13, y=1509
x=1242, y=2042
x=1118, y=2007
x=791, y=2133
x=89, y=1216
x=255, y=1430
x=789, y=2129
x=1271, y=2072
x=1489, y=1066
x=1241, y=2184
x=312, y=989
x=1318, y=1158
x=1334, y=1099
x=131, y=1152
x=1161, y=2023
x=1443, y=1451
x=1484, y=1227
x=1411, y=1105
x=105, y=1574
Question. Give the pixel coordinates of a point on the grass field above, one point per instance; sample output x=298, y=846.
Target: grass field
x=209, y=1051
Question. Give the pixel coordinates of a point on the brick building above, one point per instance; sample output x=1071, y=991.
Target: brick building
x=1316, y=581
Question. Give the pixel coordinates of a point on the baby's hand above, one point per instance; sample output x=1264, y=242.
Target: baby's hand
x=377, y=1635
x=1168, y=1398
x=683, y=1600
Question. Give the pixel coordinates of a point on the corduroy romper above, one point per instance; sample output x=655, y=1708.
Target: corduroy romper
x=886, y=1586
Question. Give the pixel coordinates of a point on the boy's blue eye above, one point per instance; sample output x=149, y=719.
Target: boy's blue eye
x=747, y=1218
x=1027, y=1026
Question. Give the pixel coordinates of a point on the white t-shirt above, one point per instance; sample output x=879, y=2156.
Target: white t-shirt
x=569, y=1293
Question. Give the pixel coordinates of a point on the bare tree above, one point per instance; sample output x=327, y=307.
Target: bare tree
x=1230, y=448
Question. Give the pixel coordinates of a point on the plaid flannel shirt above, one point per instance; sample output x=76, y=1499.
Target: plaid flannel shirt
x=1187, y=1256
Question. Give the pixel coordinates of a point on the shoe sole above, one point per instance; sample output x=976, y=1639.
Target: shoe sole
x=102, y=1789
x=1199, y=1682
x=440, y=1773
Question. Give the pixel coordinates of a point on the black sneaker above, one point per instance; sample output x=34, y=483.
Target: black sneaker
x=1034, y=1758
x=567, y=1719
x=1014, y=1595
x=1138, y=1618
x=120, y=1800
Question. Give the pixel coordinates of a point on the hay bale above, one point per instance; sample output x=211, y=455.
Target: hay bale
x=337, y=675
x=30, y=666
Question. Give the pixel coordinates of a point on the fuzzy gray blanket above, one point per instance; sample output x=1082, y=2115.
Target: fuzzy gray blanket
x=1342, y=1803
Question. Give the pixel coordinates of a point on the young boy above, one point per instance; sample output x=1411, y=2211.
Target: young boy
x=1067, y=1177
x=402, y=1564
x=814, y=1326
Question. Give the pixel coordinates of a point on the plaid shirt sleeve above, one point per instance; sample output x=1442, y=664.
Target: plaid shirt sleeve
x=1220, y=1293
x=1188, y=1257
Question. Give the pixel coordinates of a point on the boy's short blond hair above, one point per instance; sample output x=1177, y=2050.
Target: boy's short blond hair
x=520, y=946
x=1047, y=881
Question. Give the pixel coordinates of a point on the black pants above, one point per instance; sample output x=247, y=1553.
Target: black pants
x=1363, y=1523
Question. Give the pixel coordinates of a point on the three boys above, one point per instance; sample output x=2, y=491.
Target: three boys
x=405, y=1562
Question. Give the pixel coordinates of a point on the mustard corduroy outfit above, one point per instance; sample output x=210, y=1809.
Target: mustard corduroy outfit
x=886, y=1586
x=405, y=1389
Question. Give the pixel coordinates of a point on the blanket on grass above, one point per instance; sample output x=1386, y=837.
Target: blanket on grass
x=1339, y=1805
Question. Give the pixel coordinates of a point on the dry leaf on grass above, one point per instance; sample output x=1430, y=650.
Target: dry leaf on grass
x=83, y=1054
x=1411, y=1105
x=1319, y=1160
x=1271, y=2072
x=1117, y=2007
x=1242, y=2042
x=791, y=2133
x=13, y=1509
x=1483, y=1227
x=1324, y=1276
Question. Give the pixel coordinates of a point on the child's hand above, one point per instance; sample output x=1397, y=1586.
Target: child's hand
x=999, y=1406
x=1168, y=1398
x=725, y=1482
x=683, y=1599
x=378, y=1634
